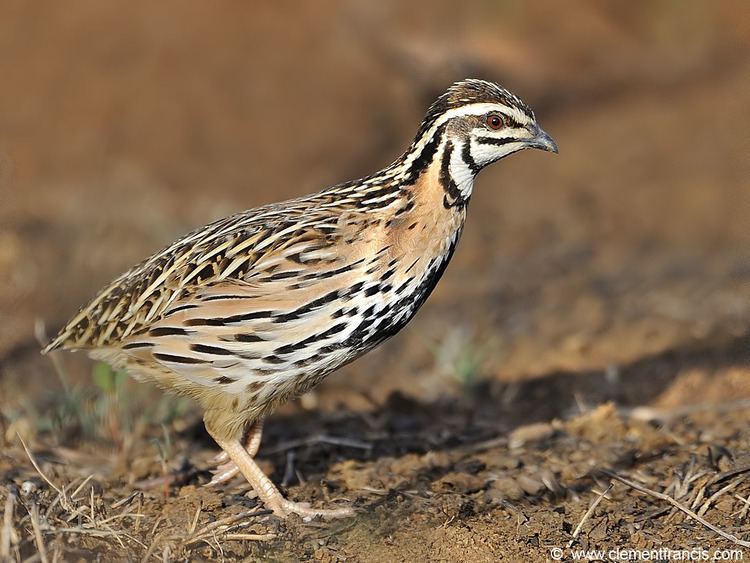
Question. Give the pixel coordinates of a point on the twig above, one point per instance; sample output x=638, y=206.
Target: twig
x=250, y=537
x=228, y=521
x=140, y=509
x=36, y=466
x=96, y=533
x=81, y=486
x=194, y=523
x=125, y=500
x=729, y=486
x=34, y=513
x=93, y=513
x=683, y=508
x=7, y=530
x=121, y=516
x=588, y=514
x=151, y=548
x=61, y=498
x=699, y=495
x=727, y=474
x=158, y=520
x=745, y=505
x=320, y=439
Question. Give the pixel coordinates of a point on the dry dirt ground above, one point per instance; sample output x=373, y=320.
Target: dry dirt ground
x=590, y=342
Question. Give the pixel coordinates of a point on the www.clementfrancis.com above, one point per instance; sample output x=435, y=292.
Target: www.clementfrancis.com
x=661, y=554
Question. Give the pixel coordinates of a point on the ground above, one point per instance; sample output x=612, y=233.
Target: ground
x=589, y=343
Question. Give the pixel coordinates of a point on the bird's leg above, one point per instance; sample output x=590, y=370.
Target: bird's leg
x=267, y=491
x=226, y=468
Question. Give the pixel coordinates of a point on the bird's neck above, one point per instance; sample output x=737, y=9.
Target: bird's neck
x=446, y=160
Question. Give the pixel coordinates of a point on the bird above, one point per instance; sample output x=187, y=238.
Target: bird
x=256, y=308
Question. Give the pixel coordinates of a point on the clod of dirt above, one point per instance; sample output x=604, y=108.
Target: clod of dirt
x=530, y=485
x=530, y=433
x=455, y=482
x=504, y=488
x=598, y=424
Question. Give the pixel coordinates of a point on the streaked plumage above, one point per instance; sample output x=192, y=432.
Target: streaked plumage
x=258, y=307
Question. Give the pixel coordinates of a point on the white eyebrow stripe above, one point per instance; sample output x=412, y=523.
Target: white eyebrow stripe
x=470, y=109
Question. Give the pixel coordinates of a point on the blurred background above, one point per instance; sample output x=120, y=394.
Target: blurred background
x=122, y=128
x=617, y=270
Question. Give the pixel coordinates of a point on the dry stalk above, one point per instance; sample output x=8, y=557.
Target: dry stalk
x=34, y=513
x=81, y=486
x=125, y=500
x=678, y=505
x=7, y=530
x=731, y=485
x=745, y=506
x=320, y=439
x=194, y=523
x=97, y=533
x=250, y=537
x=227, y=522
x=589, y=512
x=59, y=491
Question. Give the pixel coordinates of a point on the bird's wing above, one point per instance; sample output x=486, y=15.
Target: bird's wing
x=247, y=250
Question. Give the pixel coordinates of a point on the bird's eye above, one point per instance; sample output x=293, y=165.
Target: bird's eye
x=494, y=121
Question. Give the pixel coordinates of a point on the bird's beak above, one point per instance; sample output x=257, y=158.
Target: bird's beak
x=541, y=140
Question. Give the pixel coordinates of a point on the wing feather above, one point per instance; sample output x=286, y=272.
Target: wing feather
x=237, y=248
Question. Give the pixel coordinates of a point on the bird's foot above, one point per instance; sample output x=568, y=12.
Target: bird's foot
x=225, y=468
x=241, y=460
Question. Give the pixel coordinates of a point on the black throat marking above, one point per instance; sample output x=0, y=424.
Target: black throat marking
x=453, y=196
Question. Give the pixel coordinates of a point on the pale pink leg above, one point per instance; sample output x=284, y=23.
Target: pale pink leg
x=225, y=468
x=267, y=491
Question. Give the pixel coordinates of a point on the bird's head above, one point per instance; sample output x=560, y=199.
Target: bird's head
x=473, y=124
x=489, y=120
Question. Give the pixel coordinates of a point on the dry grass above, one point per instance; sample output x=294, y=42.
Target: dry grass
x=57, y=518
x=54, y=518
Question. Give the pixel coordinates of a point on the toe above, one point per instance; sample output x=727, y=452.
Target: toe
x=218, y=459
x=223, y=473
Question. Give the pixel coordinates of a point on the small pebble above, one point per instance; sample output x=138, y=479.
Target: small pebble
x=28, y=487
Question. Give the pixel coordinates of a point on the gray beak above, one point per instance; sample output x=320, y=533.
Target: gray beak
x=542, y=141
